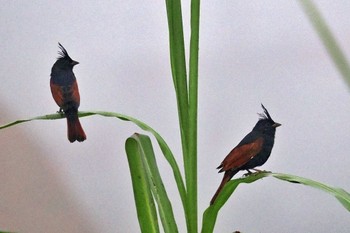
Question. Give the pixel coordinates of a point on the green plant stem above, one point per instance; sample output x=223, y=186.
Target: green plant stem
x=178, y=68
x=191, y=163
x=179, y=74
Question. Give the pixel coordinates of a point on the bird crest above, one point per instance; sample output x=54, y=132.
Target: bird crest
x=265, y=114
x=63, y=53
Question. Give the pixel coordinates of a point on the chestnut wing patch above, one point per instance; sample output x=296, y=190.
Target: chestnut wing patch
x=240, y=155
x=75, y=97
x=66, y=96
x=57, y=94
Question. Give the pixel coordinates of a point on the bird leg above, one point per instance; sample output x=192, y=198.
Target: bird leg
x=60, y=111
x=248, y=173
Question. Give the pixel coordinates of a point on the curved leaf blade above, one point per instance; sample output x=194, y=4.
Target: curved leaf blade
x=145, y=207
x=210, y=214
x=342, y=196
x=161, y=142
x=44, y=117
x=155, y=183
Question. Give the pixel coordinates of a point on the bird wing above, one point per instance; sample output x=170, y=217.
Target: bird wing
x=57, y=94
x=64, y=95
x=241, y=154
x=75, y=93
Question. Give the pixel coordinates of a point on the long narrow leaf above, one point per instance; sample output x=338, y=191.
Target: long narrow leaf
x=45, y=117
x=178, y=68
x=327, y=38
x=210, y=214
x=342, y=196
x=162, y=144
x=191, y=163
x=155, y=182
x=146, y=210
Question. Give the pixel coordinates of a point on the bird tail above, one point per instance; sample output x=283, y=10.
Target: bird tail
x=75, y=131
x=227, y=177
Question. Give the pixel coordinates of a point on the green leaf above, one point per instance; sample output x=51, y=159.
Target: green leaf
x=146, y=210
x=327, y=38
x=162, y=144
x=178, y=68
x=144, y=149
x=191, y=162
x=45, y=117
x=210, y=214
x=342, y=196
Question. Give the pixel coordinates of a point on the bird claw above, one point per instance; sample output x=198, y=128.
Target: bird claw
x=257, y=171
x=248, y=173
x=260, y=171
x=60, y=111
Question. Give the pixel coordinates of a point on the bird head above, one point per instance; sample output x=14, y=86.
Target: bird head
x=265, y=123
x=64, y=61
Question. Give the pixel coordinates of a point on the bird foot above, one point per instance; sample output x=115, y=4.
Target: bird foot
x=60, y=111
x=248, y=173
x=257, y=171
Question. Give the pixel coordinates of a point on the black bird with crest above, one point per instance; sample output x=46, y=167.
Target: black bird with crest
x=64, y=89
x=253, y=151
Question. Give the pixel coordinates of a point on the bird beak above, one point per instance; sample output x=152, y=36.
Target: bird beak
x=276, y=125
x=74, y=63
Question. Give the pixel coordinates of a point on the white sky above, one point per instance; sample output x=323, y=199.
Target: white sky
x=251, y=52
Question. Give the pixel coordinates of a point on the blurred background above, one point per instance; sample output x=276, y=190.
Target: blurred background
x=251, y=52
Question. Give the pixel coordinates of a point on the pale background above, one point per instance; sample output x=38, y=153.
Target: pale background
x=251, y=52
